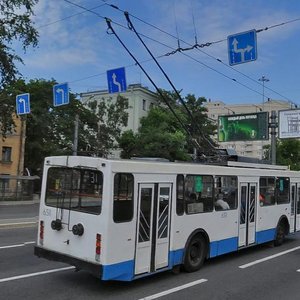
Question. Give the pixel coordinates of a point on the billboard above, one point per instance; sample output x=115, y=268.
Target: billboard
x=244, y=127
x=289, y=124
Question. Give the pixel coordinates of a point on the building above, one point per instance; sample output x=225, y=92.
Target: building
x=245, y=148
x=12, y=150
x=140, y=99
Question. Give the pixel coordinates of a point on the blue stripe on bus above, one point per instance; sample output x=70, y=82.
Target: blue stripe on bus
x=123, y=271
x=265, y=236
x=223, y=246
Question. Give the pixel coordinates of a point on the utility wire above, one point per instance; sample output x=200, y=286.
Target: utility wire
x=199, y=46
x=131, y=26
x=167, y=46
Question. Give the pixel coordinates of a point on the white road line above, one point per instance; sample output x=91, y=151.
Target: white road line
x=167, y=292
x=268, y=258
x=35, y=274
x=17, y=245
x=298, y=270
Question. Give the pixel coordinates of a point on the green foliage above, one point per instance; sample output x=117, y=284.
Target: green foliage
x=287, y=153
x=15, y=25
x=161, y=134
x=111, y=116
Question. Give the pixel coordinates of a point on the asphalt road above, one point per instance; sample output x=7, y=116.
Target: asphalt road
x=277, y=276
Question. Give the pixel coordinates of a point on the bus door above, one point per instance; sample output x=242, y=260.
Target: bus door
x=295, y=208
x=153, y=227
x=247, y=222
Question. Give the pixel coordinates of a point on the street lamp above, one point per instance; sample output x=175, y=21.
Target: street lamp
x=263, y=79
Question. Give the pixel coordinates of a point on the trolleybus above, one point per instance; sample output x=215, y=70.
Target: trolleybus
x=127, y=219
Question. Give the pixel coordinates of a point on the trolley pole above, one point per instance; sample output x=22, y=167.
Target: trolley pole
x=273, y=125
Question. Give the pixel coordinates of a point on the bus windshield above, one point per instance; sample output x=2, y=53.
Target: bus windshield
x=75, y=189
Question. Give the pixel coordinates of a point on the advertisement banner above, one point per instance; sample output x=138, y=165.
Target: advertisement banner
x=246, y=127
x=289, y=124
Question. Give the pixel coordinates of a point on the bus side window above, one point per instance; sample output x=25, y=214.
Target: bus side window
x=179, y=196
x=198, y=193
x=123, y=197
x=266, y=191
x=282, y=190
x=225, y=192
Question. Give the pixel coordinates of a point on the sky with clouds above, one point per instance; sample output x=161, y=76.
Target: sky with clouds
x=74, y=46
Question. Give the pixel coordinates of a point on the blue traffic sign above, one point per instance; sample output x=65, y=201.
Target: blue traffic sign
x=23, y=104
x=242, y=47
x=116, y=80
x=60, y=94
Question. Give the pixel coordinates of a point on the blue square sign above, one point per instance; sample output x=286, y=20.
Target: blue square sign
x=242, y=47
x=60, y=94
x=23, y=104
x=116, y=80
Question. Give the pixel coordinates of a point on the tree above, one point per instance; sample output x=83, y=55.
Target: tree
x=162, y=135
x=15, y=25
x=287, y=153
x=111, y=117
x=49, y=129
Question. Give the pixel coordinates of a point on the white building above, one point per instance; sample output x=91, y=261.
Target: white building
x=140, y=99
x=245, y=148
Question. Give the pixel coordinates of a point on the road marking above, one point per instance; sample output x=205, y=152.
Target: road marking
x=268, y=258
x=17, y=245
x=298, y=270
x=35, y=274
x=167, y=292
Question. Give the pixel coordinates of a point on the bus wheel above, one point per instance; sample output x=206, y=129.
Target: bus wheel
x=195, y=254
x=280, y=234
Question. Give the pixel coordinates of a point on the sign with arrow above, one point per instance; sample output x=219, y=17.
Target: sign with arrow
x=116, y=80
x=242, y=47
x=60, y=94
x=23, y=104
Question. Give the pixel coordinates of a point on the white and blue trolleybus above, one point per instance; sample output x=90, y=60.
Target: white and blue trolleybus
x=126, y=219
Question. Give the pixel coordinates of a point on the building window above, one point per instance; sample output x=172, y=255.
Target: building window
x=6, y=154
x=144, y=104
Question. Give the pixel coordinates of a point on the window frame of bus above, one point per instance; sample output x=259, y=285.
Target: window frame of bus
x=267, y=186
x=120, y=208
x=220, y=189
x=286, y=190
x=182, y=197
x=69, y=201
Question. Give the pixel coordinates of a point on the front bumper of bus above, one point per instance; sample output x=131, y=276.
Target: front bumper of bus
x=79, y=264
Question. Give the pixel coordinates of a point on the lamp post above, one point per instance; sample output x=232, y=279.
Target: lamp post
x=263, y=79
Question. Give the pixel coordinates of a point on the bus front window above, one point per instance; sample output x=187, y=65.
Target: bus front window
x=75, y=189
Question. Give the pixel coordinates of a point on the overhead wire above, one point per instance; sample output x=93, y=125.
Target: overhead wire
x=199, y=46
x=167, y=46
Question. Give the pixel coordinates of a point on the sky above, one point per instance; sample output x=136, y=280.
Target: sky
x=74, y=46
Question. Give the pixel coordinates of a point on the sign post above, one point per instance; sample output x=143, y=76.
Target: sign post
x=242, y=47
x=23, y=104
x=60, y=94
x=116, y=80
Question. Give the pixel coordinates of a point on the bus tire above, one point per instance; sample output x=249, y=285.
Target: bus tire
x=195, y=254
x=280, y=234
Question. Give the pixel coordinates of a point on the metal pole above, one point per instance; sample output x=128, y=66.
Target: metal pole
x=263, y=79
x=76, y=125
x=273, y=126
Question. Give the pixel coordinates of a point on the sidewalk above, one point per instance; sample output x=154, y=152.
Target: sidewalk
x=19, y=214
